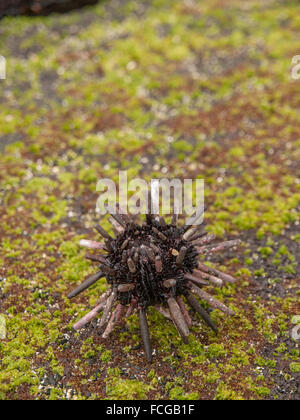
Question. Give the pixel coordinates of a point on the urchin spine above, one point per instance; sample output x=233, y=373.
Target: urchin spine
x=153, y=264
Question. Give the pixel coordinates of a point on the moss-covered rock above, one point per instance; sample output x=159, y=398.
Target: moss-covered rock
x=160, y=88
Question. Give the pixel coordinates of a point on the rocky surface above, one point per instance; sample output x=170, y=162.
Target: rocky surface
x=158, y=88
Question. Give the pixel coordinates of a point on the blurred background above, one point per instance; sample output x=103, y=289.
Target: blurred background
x=184, y=89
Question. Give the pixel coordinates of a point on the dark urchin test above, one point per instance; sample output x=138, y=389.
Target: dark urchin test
x=148, y=263
x=153, y=264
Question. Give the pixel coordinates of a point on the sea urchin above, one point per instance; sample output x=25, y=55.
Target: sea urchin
x=153, y=264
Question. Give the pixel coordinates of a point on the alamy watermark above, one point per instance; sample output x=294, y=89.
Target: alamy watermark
x=295, y=332
x=295, y=72
x=2, y=67
x=2, y=327
x=156, y=197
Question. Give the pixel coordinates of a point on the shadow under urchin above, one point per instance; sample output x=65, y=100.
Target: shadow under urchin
x=153, y=264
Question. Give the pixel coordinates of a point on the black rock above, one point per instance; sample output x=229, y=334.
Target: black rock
x=40, y=7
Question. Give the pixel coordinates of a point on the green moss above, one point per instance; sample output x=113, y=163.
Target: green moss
x=239, y=358
x=262, y=391
x=106, y=356
x=295, y=319
x=178, y=393
x=216, y=350
x=225, y=393
x=265, y=251
x=213, y=375
x=126, y=389
x=262, y=362
x=55, y=394
x=295, y=367
x=280, y=349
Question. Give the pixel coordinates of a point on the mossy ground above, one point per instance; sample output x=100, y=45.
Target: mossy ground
x=183, y=88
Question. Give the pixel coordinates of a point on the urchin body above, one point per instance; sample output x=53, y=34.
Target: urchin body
x=148, y=261
x=153, y=264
